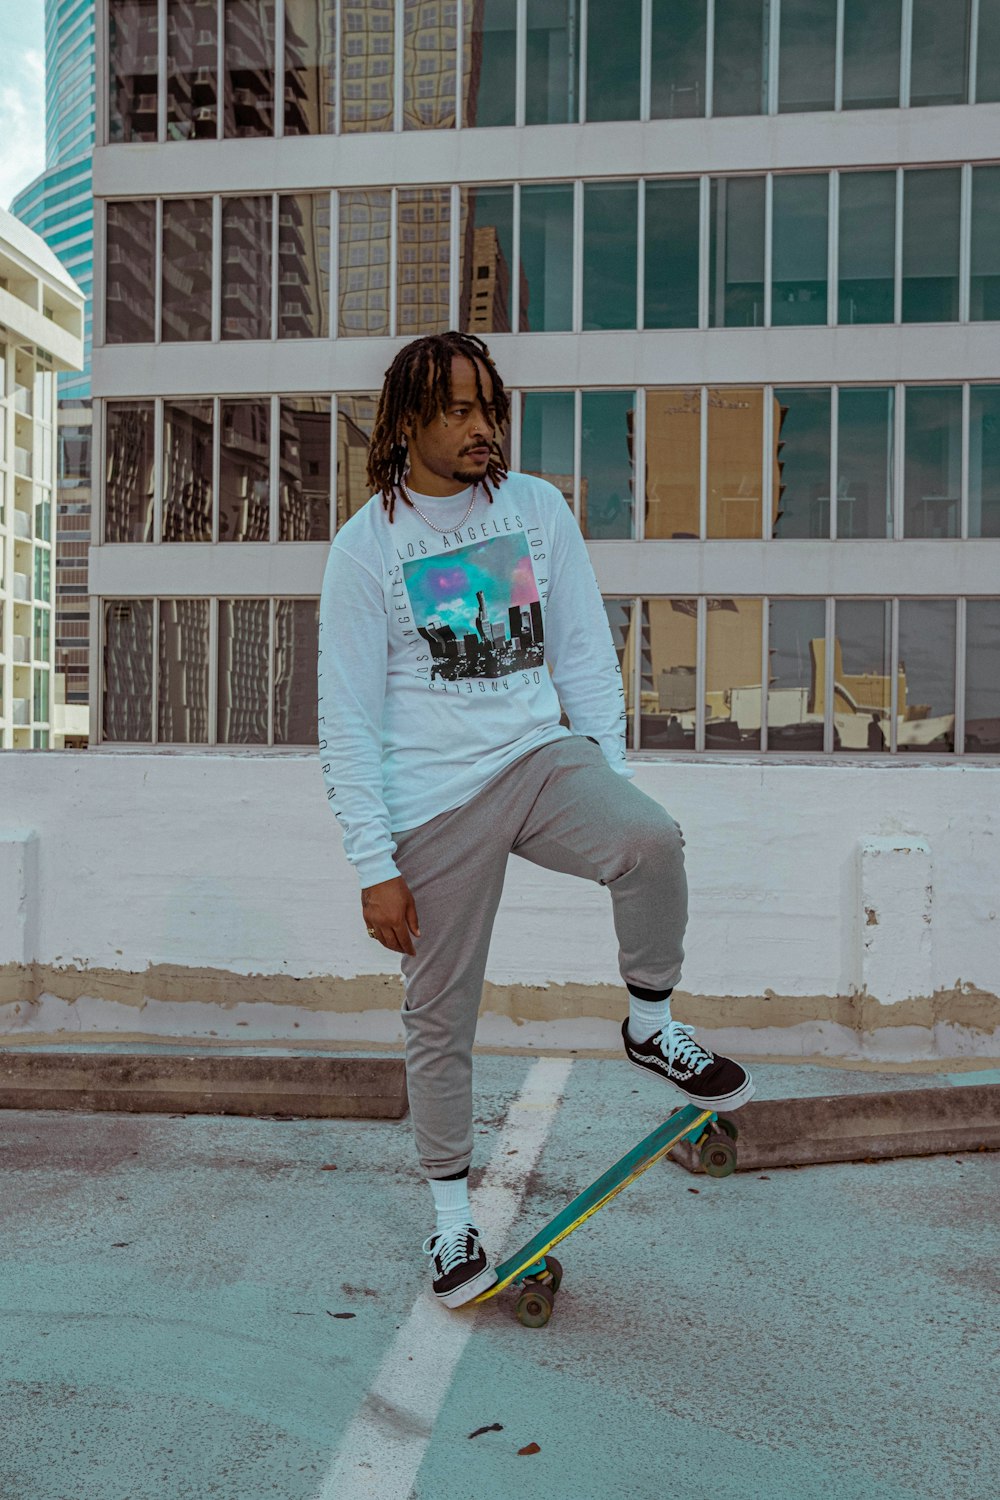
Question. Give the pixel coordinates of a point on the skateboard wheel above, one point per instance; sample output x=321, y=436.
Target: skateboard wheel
x=730, y=1129
x=534, y=1306
x=718, y=1156
x=556, y=1269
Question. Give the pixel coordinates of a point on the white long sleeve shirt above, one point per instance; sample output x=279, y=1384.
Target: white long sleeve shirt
x=435, y=650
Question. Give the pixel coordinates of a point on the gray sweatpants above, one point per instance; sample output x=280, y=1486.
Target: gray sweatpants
x=560, y=806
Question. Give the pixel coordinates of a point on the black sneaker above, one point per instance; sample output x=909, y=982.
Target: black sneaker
x=462, y=1269
x=704, y=1079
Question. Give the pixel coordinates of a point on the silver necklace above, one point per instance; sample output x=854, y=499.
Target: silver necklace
x=420, y=513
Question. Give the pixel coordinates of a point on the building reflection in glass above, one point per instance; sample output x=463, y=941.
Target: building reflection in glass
x=192, y=70
x=246, y=267
x=310, y=67
x=296, y=641
x=982, y=679
x=244, y=471
x=423, y=260
x=132, y=71
x=862, y=675
x=355, y=421
x=804, y=459
x=489, y=43
x=927, y=661
x=667, y=691
x=304, y=265
x=187, y=471
x=182, y=681
x=735, y=462
x=673, y=463
x=732, y=674
x=130, y=258
x=304, y=469
x=128, y=479
x=243, y=658
x=366, y=48
x=364, y=238
x=248, y=80
x=486, y=251
x=128, y=670
x=186, y=299
x=547, y=438
x=606, y=463
x=794, y=688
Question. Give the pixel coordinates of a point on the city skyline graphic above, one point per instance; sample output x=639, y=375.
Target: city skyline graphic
x=478, y=610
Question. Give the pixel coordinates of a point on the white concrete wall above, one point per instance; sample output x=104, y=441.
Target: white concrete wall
x=840, y=909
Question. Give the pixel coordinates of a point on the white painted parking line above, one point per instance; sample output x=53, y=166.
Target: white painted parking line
x=383, y=1448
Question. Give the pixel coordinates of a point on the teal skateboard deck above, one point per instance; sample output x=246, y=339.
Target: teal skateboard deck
x=541, y=1272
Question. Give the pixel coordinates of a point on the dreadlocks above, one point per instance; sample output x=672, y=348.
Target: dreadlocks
x=417, y=385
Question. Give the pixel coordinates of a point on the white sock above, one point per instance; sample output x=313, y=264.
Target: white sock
x=646, y=1016
x=451, y=1202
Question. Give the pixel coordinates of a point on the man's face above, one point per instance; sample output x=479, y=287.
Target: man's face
x=453, y=450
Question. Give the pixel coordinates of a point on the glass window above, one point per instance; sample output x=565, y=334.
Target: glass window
x=41, y=633
x=310, y=67
x=74, y=455
x=192, y=70
x=736, y=252
x=41, y=695
x=187, y=471
x=799, y=248
x=613, y=32
x=244, y=472
x=930, y=245
x=248, y=101
x=486, y=250
x=673, y=463
x=552, y=50
x=932, y=470
x=610, y=248
x=128, y=468
x=304, y=266
x=367, y=33
x=872, y=40
x=186, y=294
x=182, y=684
x=939, y=67
x=364, y=236
x=132, y=42
x=735, y=463
x=984, y=461
x=246, y=267
x=296, y=638
x=795, y=652
x=423, y=258
x=802, y=448
x=671, y=258
x=547, y=438
x=732, y=674
x=925, y=718
x=430, y=39
x=740, y=72
x=489, y=62
x=864, y=461
x=982, y=676
x=807, y=45
x=130, y=297
x=243, y=662
x=862, y=675
x=988, y=53
x=128, y=670
x=984, y=301
x=304, y=469
x=355, y=422
x=547, y=256
x=867, y=247
x=621, y=616
x=677, y=84
x=667, y=691
x=606, y=501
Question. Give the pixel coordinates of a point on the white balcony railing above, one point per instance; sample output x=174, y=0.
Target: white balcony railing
x=22, y=586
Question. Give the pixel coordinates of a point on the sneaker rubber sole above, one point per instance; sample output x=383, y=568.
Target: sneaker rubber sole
x=732, y=1100
x=469, y=1289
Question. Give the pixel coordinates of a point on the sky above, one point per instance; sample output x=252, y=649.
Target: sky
x=22, y=95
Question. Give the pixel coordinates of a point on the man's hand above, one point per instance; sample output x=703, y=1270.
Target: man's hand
x=389, y=910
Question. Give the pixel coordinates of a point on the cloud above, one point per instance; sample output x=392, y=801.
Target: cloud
x=22, y=123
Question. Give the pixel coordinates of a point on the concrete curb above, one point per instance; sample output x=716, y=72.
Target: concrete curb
x=316, y=1087
x=861, y=1127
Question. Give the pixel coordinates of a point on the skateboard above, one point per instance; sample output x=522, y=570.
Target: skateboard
x=541, y=1273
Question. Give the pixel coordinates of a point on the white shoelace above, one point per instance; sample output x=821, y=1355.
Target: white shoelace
x=449, y=1244
x=677, y=1041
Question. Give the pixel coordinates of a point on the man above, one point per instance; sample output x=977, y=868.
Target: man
x=446, y=601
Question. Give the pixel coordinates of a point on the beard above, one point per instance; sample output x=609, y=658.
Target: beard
x=471, y=476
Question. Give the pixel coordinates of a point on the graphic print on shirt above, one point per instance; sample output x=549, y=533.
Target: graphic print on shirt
x=478, y=609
